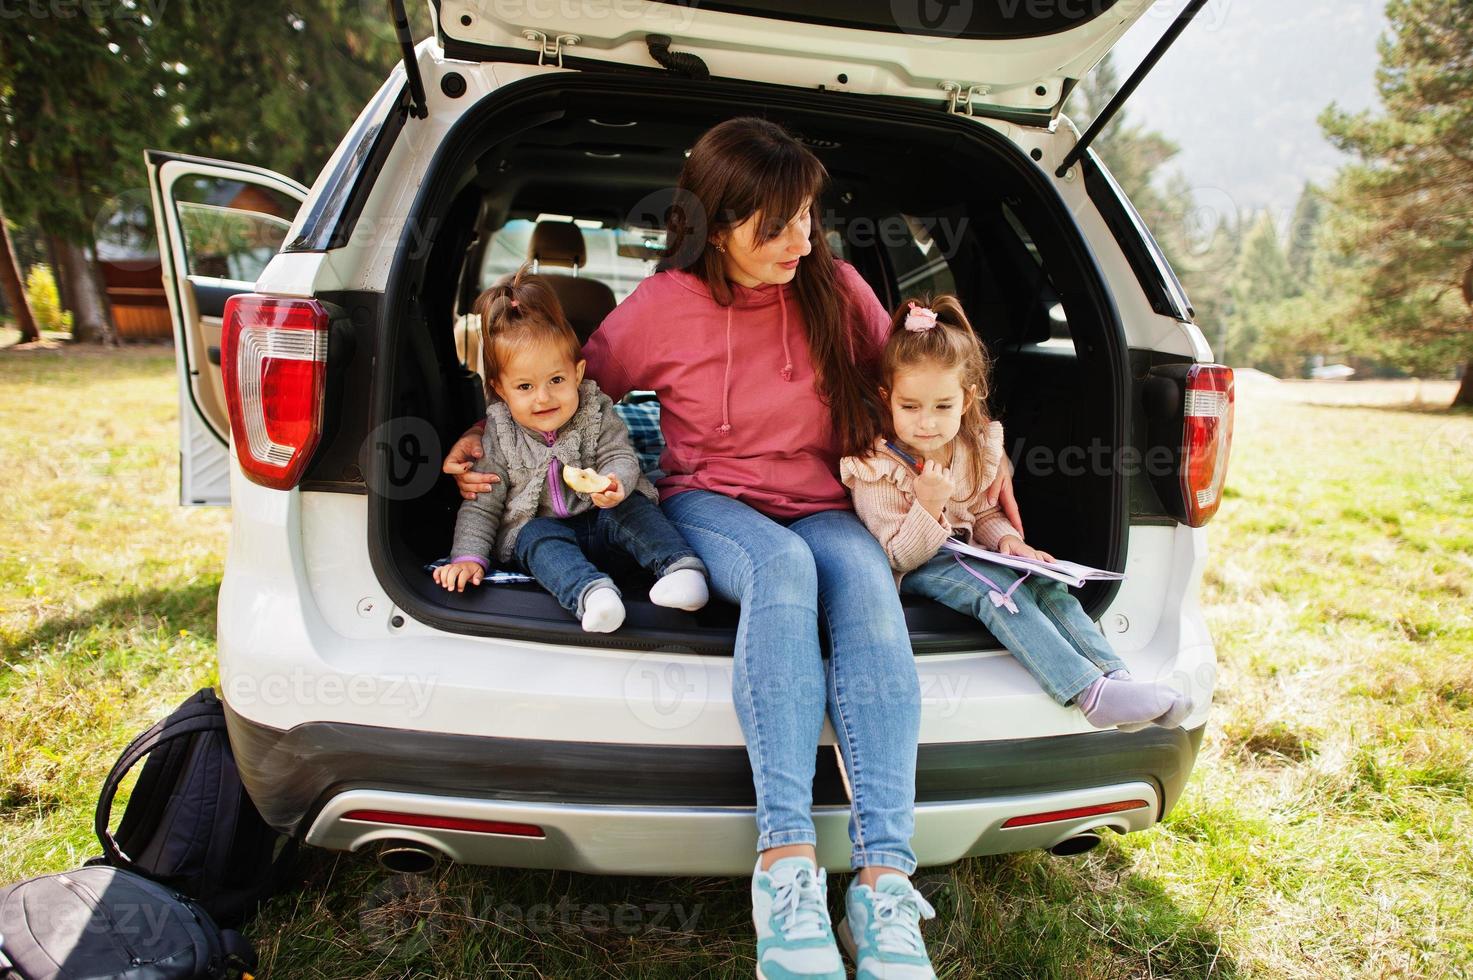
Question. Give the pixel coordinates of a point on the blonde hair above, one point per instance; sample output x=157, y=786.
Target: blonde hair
x=517, y=312
x=952, y=345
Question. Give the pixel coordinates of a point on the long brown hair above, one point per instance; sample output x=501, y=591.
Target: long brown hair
x=952, y=345
x=748, y=166
x=517, y=311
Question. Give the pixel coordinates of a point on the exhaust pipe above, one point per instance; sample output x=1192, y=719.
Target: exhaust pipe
x=407, y=857
x=1078, y=844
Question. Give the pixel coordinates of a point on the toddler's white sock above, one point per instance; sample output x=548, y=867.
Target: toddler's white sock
x=603, y=610
x=684, y=588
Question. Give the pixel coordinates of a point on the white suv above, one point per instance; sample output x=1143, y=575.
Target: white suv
x=322, y=379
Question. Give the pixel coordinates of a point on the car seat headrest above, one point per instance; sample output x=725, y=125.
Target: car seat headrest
x=557, y=243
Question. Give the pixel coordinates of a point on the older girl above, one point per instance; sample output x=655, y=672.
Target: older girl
x=922, y=481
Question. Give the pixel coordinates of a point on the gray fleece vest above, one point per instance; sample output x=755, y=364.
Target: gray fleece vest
x=594, y=437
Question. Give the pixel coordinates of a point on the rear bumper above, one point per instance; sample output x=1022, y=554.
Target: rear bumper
x=305, y=778
x=705, y=840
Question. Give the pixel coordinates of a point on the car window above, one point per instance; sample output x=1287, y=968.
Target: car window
x=336, y=206
x=618, y=257
x=231, y=229
x=989, y=258
x=1057, y=321
x=919, y=261
x=1152, y=270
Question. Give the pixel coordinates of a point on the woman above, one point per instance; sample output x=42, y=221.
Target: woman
x=761, y=346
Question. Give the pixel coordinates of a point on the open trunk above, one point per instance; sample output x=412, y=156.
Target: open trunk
x=920, y=200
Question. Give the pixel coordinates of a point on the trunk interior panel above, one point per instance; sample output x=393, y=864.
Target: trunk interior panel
x=920, y=202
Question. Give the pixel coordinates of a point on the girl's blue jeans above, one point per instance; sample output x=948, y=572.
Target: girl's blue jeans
x=559, y=552
x=1050, y=634
x=791, y=580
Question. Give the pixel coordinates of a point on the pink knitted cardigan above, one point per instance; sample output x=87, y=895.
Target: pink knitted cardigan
x=884, y=499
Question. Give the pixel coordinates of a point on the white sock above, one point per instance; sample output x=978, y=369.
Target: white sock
x=603, y=610
x=684, y=588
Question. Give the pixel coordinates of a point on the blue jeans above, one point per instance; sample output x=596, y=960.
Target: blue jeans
x=560, y=551
x=824, y=571
x=1050, y=634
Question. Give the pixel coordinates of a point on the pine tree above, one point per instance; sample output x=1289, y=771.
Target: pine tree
x=1261, y=279
x=272, y=83
x=1135, y=156
x=1304, y=230
x=83, y=92
x=1202, y=257
x=76, y=110
x=13, y=289
x=1406, y=202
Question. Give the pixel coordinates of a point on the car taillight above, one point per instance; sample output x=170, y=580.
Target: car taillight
x=432, y=822
x=273, y=355
x=1206, y=438
x=1074, y=813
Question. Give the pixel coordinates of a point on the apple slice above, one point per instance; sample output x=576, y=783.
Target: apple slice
x=586, y=481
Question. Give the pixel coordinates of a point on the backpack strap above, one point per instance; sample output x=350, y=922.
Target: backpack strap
x=201, y=714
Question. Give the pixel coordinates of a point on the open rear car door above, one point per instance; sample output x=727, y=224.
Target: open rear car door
x=1014, y=58
x=218, y=224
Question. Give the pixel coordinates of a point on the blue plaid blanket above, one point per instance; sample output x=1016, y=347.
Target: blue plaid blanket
x=641, y=412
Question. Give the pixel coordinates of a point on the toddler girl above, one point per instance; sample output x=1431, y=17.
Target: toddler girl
x=543, y=418
x=925, y=482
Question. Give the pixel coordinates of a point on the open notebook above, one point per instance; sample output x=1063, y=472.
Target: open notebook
x=1070, y=573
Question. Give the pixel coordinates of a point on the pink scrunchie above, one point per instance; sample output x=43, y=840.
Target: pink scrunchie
x=919, y=319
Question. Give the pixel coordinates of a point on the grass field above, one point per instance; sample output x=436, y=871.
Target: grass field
x=1325, y=833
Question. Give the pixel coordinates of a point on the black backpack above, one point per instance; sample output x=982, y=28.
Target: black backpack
x=103, y=923
x=189, y=824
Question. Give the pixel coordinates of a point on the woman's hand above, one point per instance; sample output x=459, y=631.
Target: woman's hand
x=612, y=497
x=1000, y=494
x=1011, y=544
x=456, y=575
x=463, y=456
x=934, y=487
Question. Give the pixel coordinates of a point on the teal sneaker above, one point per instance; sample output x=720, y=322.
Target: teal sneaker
x=795, y=937
x=881, y=930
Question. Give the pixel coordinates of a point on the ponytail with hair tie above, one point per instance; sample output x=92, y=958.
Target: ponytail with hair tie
x=520, y=308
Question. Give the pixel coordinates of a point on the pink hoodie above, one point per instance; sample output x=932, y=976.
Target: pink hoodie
x=738, y=407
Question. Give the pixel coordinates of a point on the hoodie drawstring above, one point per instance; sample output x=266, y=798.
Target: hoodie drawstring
x=725, y=426
x=787, y=371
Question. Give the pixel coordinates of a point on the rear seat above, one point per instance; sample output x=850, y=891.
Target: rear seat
x=585, y=301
